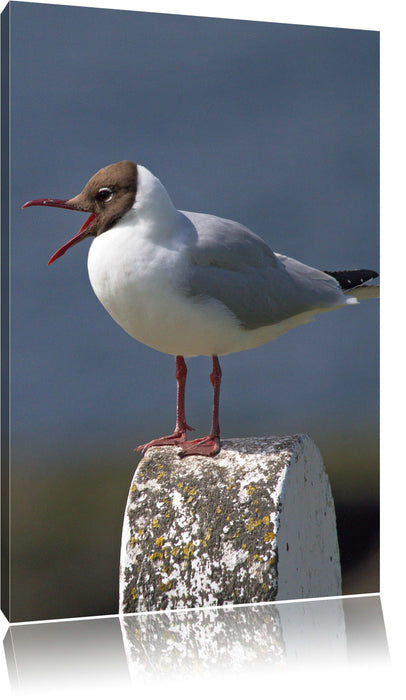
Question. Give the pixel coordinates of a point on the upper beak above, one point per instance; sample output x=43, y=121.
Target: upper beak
x=64, y=204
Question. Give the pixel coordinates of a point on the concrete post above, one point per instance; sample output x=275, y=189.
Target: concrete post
x=254, y=524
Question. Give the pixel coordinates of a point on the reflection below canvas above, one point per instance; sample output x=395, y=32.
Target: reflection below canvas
x=237, y=644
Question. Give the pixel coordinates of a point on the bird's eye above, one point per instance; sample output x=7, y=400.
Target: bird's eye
x=104, y=194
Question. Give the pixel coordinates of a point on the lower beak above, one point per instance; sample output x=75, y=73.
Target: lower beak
x=63, y=204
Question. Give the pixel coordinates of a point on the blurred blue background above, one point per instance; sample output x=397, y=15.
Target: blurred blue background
x=275, y=126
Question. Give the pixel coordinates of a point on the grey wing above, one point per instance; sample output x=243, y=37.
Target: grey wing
x=236, y=267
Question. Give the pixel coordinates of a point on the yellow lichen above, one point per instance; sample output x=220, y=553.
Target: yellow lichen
x=218, y=509
x=252, y=524
x=180, y=484
x=160, y=475
x=134, y=594
x=175, y=551
x=165, y=586
x=250, y=489
x=159, y=541
x=206, y=537
x=269, y=536
x=155, y=522
x=188, y=550
x=156, y=555
x=134, y=487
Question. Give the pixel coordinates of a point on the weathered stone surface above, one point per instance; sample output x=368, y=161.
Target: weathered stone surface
x=253, y=524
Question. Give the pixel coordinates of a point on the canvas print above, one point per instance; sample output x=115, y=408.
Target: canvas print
x=190, y=242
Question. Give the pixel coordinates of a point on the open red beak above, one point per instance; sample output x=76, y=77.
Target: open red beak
x=63, y=204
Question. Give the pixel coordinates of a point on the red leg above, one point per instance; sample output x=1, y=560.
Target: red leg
x=179, y=434
x=210, y=445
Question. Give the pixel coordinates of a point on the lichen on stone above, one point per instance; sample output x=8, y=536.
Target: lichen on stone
x=212, y=520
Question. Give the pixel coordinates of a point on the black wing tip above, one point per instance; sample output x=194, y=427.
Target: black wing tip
x=347, y=279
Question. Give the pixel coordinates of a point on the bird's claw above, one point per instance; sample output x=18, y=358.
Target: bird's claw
x=206, y=447
x=177, y=438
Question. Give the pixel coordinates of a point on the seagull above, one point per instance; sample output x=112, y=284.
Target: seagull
x=189, y=284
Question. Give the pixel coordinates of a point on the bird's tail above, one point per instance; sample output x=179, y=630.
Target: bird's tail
x=353, y=282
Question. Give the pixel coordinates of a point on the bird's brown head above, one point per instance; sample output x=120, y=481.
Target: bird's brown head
x=108, y=195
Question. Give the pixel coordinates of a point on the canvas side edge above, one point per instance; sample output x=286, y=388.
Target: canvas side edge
x=5, y=316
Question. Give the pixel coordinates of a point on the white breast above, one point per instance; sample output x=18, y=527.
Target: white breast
x=138, y=283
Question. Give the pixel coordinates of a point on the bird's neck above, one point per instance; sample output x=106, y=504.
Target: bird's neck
x=153, y=207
